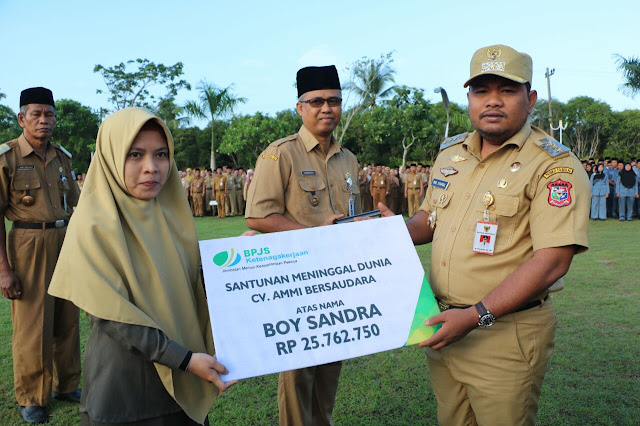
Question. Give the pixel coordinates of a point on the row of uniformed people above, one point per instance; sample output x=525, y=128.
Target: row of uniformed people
x=227, y=187
x=617, y=187
x=401, y=190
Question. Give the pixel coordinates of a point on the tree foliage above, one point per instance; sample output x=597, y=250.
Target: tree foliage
x=213, y=103
x=372, y=79
x=76, y=130
x=130, y=88
x=630, y=68
x=9, y=127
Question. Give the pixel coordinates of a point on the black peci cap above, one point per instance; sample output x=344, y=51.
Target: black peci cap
x=36, y=95
x=317, y=78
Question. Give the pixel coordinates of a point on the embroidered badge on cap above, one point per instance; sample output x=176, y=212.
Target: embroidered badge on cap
x=308, y=173
x=438, y=183
x=448, y=171
x=559, y=193
x=557, y=170
x=273, y=157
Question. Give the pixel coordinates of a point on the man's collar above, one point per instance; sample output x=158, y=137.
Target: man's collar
x=26, y=148
x=310, y=141
x=473, y=141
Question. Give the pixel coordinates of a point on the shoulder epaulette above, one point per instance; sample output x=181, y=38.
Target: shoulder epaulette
x=67, y=153
x=552, y=146
x=4, y=148
x=453, y=140
x=283, y=140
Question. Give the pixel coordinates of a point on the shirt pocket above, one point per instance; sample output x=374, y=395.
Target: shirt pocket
x=503, y=212
x=440, y=199
x=25, y=183
x=314, y=195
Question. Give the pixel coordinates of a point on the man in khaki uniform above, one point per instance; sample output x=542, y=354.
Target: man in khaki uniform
x=508, y=213
x=197, y=193
x=208, y=186
x=220, y=188
x=301, y=181
x=38, y=195
x=230, y=208
x=379, y=186
x=238, y=183
x=413, y=190
x=188, y=178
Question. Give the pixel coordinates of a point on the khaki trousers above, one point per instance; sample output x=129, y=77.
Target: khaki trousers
x=379, y=196
x=207, y=200
x=46, y=339
x=239, y=201
x=413, y=198
x=198, y=205
x=306, y=396
x=493, y=376
x=220, y=198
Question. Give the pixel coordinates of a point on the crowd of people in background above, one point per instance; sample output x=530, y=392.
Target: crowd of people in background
x=614, y=184
x=222, y=194
x=614, y=188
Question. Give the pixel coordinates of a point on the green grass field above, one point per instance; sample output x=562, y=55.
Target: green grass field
x=593, y=377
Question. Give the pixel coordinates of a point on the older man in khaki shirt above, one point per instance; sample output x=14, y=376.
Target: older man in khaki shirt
x=38, y=195
x=506, y=211
x=301, y=181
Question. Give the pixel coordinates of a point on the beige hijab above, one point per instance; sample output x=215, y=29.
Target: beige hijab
x=135, y=261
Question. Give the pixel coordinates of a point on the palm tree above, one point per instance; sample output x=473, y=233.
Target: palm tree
x=371, y=80
x=214, y=102
x=631, y=72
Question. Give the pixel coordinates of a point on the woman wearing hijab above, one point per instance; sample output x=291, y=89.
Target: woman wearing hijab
x=131, y=261
x=626, y=191
x=599, y=194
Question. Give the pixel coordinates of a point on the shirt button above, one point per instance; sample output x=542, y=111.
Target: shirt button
x=49, y=184
x=453, y=229
x=444, y=263
x=492, y=208
x=26, y=186
x=466, y=196
x=481, y=165
x=435, y=201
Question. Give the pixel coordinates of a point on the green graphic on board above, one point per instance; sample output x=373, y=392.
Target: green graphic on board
x=425, y=309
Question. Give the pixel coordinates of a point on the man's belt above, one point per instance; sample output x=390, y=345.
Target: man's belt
x=380, y=187
x=444, y=306
x=41, y=225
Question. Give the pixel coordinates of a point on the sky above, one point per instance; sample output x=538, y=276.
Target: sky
x=258, y=46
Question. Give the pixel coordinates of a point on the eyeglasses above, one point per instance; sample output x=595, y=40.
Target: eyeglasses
x=319, y=102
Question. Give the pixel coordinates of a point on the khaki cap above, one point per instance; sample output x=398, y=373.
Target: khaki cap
x=503, y=61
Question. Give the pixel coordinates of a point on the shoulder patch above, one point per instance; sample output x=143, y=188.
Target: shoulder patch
x=283, y=140
x=453, y=140
x=67, y=153
x=4, y=148
x=552, y=146
x=273, y=157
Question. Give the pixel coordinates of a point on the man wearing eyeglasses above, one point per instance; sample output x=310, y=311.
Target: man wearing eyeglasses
x=301, y=181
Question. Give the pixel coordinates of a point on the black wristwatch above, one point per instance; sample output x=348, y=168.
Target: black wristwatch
x=485, y=318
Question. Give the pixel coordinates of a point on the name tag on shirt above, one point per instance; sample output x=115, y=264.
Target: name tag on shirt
x=484, y=240
x=308, y=173
x=439, y=183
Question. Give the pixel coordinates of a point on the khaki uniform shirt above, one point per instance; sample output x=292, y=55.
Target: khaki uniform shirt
x=379, y=180
x=231, y=187
x=524, y=176
x=295, y=178
x=414, y=180
x=220, y=183
x=22, y=172
x=208, y=182
x=197, y=186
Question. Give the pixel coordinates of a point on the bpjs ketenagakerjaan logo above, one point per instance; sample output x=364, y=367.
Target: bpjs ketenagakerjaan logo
x=229, y=258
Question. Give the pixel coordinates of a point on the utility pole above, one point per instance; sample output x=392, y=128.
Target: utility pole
x=548, y=75
x=445, y=103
